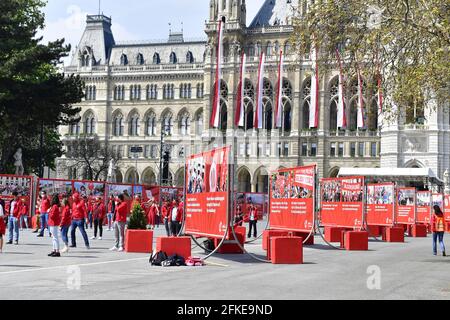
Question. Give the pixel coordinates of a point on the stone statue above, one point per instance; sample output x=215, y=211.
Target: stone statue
x=447, y=182
x=18, y=162
x=111, y=171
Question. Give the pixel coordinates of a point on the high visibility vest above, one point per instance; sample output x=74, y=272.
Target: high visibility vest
x=440, y=224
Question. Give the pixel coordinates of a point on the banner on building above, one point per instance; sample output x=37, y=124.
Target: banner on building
x=423, y=207
x=342, y=202
x=292, y=199
x=406, y=206
x=380, y=204
x=207, y=193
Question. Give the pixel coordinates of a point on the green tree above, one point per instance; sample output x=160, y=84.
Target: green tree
x=34, y=96
x=137, y=218
x=406, y=42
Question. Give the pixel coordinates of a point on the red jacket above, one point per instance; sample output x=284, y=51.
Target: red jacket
x=179, y=213
x=54, y=216
x=24, y=210
x=247, y=216
x=45, y=205
x=122, y=212
x=66, y=220
x=99, y=211
x=17, y=209
x=434, y=223
x=79, y=210
x=165, y=212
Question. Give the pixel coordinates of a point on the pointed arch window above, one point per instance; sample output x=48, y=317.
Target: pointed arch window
x=134, y=125
x=91, y=93
x=268, y=114
x=185, y=124
x=173, y=58
x=286, y=117
x=118, y=125
x=150, y=125
x=140, y=59
x=189, y=57
x=199, y=123
x=167, y=123
x=135, y=92
x=89, y=124
x=119, y=92
x=74, y=129
x=269, y=49
x=152, y=92
x=124, y=60
x=156, y=58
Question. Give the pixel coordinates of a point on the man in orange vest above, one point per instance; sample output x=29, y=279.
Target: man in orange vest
x=438, y=229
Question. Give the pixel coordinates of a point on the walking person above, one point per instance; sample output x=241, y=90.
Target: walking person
x=2, y=223
x=54, y=220
x=165, y=211
x=98, y=214
x=438, y=229
x=111, y=210
x=253, y=221
x=66, y=221
x=44, y=208
x=79, y=217
x=153, y=214
x=120, y=221
x=24, y=212
x=13, y=220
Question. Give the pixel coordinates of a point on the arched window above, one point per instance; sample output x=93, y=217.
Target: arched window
x=269, y=49
x=189, y=57
x=89, y=124
x=124, y=60
x=306, y=103
x=258, y=49
x=373, y=115
x=140, y=59
x=156, y=58
x=135, y=92
x=223, y=123
x=286, y=117
x=133, y=125
x=267, y=89
x=85, y=59
x=287, y=48
x=200, y=90
x=90, y=93
x=249, y=114
x=333, y=115
x=118, y=125
x=74, y=129
x=167, y=122
x=268, y=114
x=119, y=92
x=276, y=47
x=251, y=50
x=152, y=92
x=353, y=115
x=173, y=58
x=185, y=124
x=150, y=124
x=199, y=122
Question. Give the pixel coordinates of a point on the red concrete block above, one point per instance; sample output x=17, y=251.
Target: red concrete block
x=418, y=231
x=447, y=226
x=333, y=234
x=305, y=235
x=139, y=241
x=270, y=233
x=375, y=231
x=174, y=245
x=394, y=234
x=286, y=250
x=230, y=246
x=356, y=240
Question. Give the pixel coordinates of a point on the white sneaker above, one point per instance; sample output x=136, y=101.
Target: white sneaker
x=99, y=238
x=92, y=238
x=120, y=249
x=65, y=250
x=113, y=249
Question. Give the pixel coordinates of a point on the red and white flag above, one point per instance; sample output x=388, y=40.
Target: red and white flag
x=341, y=116
x=215, y=112
x=279, y=102
x=240, y=108
x=361, y=122
x=314, y=107
x=259, y=94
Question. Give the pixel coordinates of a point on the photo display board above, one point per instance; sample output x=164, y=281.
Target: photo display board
x=406, y=206
x=447, y=208
x=23, y=185
x=292, y=199
x=342, y=202
x=424, y=206
x=380, y=204
x=207, y=193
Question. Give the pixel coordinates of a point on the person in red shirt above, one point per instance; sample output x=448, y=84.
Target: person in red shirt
x=165, y=211
x=13, y=221
x=176, y=216
x=252, y=220
x=111, y=210
x=79, y=217
x=23, y=215
x=120, y=221
x=44, y=208
x=2, y=223
x=66, y=221
x=438, y=229
x=54, y=220
x=153, y=214
x=98, y=214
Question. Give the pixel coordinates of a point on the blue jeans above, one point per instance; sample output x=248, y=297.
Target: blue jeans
x=110, y=217
x=24, y=219
x=64, y=232
x=78, y=224
x=44, y=223
x=90, y=218
x=438, y=236
x=13, y=227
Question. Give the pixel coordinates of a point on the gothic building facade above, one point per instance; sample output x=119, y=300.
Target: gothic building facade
x=135, y=91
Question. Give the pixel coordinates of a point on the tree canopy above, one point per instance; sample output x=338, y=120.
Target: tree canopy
x=34, y=95
x=405, y=42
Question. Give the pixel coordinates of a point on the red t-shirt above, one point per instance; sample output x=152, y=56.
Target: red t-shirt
x=54, y=216
x=24, y=210
x=79, y=211
x=66, y=220
x=122, y=212
x=99, y=211
x=45, y=205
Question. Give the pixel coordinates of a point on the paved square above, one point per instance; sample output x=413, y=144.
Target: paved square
x=408, y=271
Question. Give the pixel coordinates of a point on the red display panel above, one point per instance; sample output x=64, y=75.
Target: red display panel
x=342, y=202
x=259, y=200
x=380, y=204
x=447, y=207
x=207, y=193
x=423, y=200
x=406, y=206
x=437, y=199
x=292, y=199
x=23, y=185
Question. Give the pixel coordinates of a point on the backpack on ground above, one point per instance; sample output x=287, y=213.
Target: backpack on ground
x=157, y=258
x=174, y=261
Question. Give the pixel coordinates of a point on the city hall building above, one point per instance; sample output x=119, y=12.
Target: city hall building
x=136, y=90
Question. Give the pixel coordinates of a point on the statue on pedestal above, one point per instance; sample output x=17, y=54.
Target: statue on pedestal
x=111, y=171
x=18, y=162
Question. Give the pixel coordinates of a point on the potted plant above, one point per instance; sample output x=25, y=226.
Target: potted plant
x=138, y=239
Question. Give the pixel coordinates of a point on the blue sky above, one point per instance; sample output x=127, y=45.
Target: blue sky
x=132, y=19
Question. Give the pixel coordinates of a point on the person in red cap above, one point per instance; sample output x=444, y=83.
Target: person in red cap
x=79, y=217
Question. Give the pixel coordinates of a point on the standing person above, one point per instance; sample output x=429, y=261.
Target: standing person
x=111, y=210
x=44, y=208
x=66, y=221
x=79, y=217
x=54, y=220
x=175, y=218
x=438, y=229
x=24, y=215
x=165, y=211
x=153, y=213
x=2, y=223
x=253, y=221
x=120, y=222
x=13, y=220
x=90, y=207
x=98, y=214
